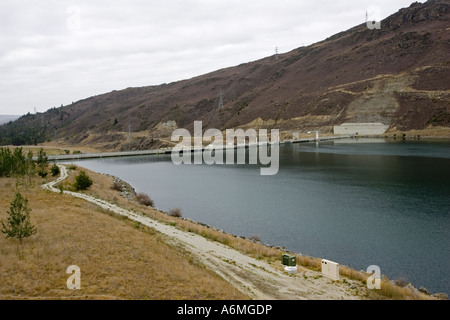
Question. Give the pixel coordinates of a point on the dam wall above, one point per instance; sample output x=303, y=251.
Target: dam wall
x=361, y=128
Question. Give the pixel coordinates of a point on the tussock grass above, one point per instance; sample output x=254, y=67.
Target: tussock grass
x=309, y=262
x=117, y=260
x=144, y=199
x=176, y=212
x=117, y=186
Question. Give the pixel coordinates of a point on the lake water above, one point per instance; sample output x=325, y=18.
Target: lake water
x=356, y=202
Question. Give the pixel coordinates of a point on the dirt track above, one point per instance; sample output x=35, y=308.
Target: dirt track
x=256, y=278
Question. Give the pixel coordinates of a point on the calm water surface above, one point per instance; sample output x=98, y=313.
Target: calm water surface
x=359, y=203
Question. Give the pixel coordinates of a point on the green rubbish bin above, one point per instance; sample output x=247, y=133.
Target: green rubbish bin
x=289, y=260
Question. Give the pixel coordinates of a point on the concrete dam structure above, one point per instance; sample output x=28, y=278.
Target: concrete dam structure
x=361, y=128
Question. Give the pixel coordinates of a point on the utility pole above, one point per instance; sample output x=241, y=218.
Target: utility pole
x=276, y=53
x=129, y=131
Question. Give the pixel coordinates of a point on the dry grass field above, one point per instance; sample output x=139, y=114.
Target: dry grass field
x=118, y=260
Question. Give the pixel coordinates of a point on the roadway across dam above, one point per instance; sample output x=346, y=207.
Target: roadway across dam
x=116, y=154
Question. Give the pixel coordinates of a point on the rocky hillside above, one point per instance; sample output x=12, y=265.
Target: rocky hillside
x=397, y=75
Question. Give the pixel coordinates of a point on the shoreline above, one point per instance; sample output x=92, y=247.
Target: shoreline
x=255, y=277
x=278, y=246
x=311, y=262
x=130, y=194
x=281, y=248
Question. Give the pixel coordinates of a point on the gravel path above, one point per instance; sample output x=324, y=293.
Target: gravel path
x=256, y=278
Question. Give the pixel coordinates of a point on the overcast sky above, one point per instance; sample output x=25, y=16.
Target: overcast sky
x=55, y=52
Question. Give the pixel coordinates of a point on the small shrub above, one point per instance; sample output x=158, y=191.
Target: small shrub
x=401, y=282
x=117, y=186
x=72, y=167
x=255, y=238
x=144, y=199
x=42, y=163
x=82, y=181
x=175, y=212
x=55, y=170
x=42, y=173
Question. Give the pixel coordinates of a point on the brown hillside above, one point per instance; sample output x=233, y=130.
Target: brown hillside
x=397, y=75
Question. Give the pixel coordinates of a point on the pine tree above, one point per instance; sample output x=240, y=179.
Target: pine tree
x=55, y=170
x=31, y=165
x=42, y=163
x=82, y=181
x=18, y=224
